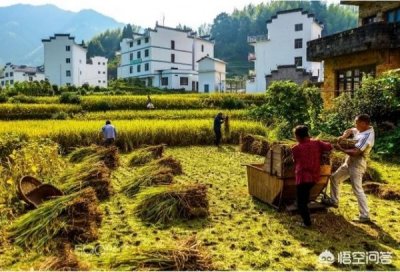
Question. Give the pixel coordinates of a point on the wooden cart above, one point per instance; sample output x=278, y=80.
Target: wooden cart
x=274, y=184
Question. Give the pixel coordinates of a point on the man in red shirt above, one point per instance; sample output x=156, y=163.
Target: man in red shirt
x=307, y=157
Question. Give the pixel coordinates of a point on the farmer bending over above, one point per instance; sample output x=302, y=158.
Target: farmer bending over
x=307, y=157
x=355, y=165
x=109, y=133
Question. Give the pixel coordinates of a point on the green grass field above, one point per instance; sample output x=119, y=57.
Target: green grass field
x=241, y=233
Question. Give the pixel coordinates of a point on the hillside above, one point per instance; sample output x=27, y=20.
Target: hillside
x=23, y=26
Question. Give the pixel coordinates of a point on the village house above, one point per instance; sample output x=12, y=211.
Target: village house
x=164, y=57
x=281, y=53
x=370, y=49
x=11, y=74
x=66, y=63
x=212, y=75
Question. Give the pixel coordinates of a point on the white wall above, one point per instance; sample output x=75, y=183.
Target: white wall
x=14, y=75
x=56, y=66
x=212, y=73
x=280, y=49
x=96, y=72
x=187, y=51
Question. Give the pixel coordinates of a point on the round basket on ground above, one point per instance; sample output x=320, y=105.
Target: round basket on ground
x=33, y=192
x=42, y=193
x=25, y=185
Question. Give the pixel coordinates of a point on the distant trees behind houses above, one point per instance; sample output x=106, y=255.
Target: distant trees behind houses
x=230, y=31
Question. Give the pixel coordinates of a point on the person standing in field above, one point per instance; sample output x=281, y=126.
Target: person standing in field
x=109, y=133
x=354, y=166
x=149, y=104
x=218, y=121
x=307, y=159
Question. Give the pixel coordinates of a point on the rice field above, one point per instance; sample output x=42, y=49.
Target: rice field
x=130, y=133
x=240, y=233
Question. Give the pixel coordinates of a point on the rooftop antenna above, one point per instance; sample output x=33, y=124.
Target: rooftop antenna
x=163, y=19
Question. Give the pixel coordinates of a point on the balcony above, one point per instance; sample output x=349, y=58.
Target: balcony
x=373, y=36
x=258, y=38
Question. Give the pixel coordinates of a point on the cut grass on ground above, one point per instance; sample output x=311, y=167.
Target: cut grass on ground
x=240, y=233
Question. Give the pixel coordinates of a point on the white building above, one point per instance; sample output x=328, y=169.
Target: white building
x=18, y=73
x=66, y=64
x=164, y=57
x=212, y=75
x=284, y=49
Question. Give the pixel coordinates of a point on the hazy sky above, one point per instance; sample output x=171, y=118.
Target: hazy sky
x=189, y=12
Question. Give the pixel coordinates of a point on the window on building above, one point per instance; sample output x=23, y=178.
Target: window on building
x=172, y=44
x=99, y=72
x=298, y=61
x=6, y=74
x=139, y=42
x=131, y=56
x=68, y=84
x=67, y=60
x=184, y=81
x=104, y=63
x=11, y=74
x=393, y=16
x=99, y=81
x=139, y=54
x=146, y=53
x=30, y=78
x=11, y=82
x=104, y=72
x=68, y=48
x=298, y=27
x=130, y=69
x=298, y=43
x=350, y=79
x=369, y=20
x=164, y=81
x=68, y=73
x=146, y=40
x=172, y=58
x=2, y=83
x=130, y=44
x=138, y=68
x=202, y=48
x=104, y=81
x=146, y=66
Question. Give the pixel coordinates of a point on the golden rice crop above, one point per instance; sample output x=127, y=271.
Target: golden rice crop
x=130, y=134
x=35, y=111
x=161, y=114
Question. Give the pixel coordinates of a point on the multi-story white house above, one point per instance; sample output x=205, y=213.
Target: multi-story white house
x=281, y=53
x=17, y=73
x=164, y=57
x=66, y=64
x=212, y=75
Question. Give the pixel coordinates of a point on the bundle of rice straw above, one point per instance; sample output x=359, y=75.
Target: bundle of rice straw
x=171, y=163
x=185, y=256
x=147, y=176
x=164, y=204
x=86, y=174
x=73, y=217
x=95, y=153
x=145, y=155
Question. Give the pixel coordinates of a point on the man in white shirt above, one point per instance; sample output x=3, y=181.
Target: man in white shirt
x=109, y=133
x=355, y=165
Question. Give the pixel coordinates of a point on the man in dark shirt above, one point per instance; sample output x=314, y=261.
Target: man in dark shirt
x=307, y=157
x=218, y=120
